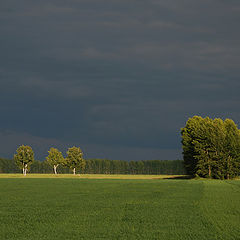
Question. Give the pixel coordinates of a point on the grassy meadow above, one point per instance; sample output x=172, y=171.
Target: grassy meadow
x=49, y=207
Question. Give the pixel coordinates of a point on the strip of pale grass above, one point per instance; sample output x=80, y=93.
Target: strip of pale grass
x=89, y=176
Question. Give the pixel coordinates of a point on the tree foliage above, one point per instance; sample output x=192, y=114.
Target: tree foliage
x=24, y=158
x=74, y=159
x=55, y=158
x=211, y=148
x=104, y=166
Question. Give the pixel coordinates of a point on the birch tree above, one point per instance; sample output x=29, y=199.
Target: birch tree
x=74, y=159
x=24, y=158
x=55, y=158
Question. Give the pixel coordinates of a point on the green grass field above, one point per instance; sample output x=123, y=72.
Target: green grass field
x=78, y=208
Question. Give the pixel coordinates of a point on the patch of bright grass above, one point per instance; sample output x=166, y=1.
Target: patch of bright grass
x=89, y=176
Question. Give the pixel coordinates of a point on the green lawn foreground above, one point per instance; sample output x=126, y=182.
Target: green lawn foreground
x=73, y=208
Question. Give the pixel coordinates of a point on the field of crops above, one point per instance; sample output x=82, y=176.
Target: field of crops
x=77, y=208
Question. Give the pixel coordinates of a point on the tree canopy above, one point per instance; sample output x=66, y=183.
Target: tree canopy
x=211, y=147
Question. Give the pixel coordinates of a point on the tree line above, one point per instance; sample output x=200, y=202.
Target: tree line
x=211, y=147
x=102, y=166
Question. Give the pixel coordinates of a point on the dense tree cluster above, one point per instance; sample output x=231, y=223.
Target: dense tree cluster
x=103, y=166
x=211, y=147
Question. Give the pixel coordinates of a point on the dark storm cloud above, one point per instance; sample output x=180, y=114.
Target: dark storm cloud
x=117, y=77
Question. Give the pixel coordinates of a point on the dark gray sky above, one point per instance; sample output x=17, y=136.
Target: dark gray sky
x=118, y=78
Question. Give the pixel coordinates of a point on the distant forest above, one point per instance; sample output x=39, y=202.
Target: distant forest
x=103, y=166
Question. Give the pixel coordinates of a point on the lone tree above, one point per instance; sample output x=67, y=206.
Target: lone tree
x=74, y=159
x=24, y=158
x=55, y=158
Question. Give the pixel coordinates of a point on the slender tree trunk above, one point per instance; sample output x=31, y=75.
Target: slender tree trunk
x=209, y=167
x=209, y=170
x=74, y=171
x=55, y=168
x=228, y=160
x=25, y=170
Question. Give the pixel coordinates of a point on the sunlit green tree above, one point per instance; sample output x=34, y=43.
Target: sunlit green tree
x=74, y=159
x=55, y=158
x=211, y=148
x=24, y=158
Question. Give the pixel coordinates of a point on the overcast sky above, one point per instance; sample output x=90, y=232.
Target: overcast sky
x=118, y=78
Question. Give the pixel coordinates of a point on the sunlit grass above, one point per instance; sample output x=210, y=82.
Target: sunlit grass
x=89, y=176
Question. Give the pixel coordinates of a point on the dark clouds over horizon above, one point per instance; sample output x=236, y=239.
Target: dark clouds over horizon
x=117, y=78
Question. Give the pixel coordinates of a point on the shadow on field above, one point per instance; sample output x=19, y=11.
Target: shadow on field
x=178, y=177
